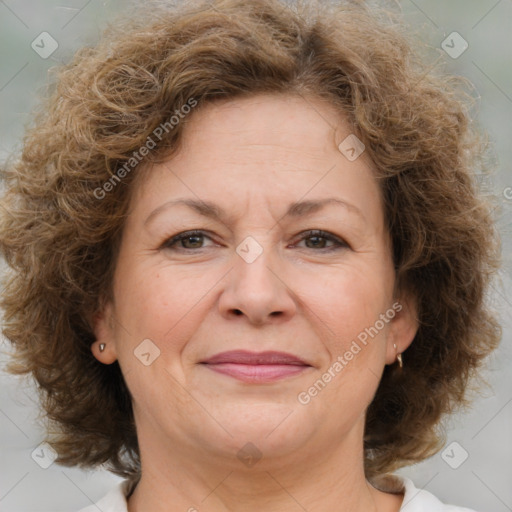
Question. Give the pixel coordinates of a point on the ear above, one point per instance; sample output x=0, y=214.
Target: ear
x=104, y=348
x=403, y=327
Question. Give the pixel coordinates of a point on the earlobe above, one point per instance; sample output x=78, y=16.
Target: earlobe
x=104, y=352
x=103, y=349
x=404, y=327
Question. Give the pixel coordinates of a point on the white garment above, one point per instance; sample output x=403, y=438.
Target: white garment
x=415, y=500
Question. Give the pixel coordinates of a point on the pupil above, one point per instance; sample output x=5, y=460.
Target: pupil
x=317, y=238
x=198, y=239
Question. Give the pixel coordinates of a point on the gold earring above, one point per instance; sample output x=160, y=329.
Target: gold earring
x=398, y=357
x=102, y=347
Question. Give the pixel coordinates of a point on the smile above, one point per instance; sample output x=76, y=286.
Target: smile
x=256, y=367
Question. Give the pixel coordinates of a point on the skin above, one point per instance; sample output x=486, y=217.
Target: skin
x=254, y=157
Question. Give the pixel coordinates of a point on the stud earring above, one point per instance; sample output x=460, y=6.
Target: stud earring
x=102, y=347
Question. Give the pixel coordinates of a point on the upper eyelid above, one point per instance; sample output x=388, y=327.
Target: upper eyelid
x=322, y=233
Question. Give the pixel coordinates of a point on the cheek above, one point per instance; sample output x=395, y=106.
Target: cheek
x=154, y=301
x=353, y=306
x=156, y=318
x=344, y=301
x=164, y=305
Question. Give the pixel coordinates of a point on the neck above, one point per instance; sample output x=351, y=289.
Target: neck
x=315, y=480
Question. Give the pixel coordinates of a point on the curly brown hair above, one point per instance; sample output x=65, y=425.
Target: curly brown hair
x=61, y=239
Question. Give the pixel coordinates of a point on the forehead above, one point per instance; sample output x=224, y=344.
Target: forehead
x=267, y=150
x=269, y=121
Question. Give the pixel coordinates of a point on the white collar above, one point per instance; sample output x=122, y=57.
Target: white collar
x=415, y=500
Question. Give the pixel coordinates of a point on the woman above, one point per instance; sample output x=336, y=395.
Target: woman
x=248, y=259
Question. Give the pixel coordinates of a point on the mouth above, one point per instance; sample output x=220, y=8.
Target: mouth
x=256, y=367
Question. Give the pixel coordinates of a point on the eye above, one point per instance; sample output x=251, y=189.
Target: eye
x=318, y=240
x=187, y=240
x=314, y=239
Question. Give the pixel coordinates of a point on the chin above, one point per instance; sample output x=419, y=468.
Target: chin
x=270, y=429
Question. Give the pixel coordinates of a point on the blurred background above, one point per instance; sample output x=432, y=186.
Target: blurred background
x=472, y=38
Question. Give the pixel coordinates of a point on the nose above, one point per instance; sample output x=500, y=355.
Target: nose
x=258, y=291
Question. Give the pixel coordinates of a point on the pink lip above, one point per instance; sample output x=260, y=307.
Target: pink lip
x=256, y=367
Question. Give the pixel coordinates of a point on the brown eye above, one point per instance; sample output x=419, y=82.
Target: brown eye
x=187, y=240
x=192, y=241
x=318, y=239
x=314, y=239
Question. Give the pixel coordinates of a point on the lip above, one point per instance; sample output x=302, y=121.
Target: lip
x=256, y=367
x=255, y=358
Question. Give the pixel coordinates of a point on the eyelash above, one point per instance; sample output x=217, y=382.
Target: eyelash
x=341, y=244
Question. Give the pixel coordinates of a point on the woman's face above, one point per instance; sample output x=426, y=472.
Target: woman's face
x=262, y=172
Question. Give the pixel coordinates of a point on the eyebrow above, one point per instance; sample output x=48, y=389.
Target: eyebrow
x=214, y=211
